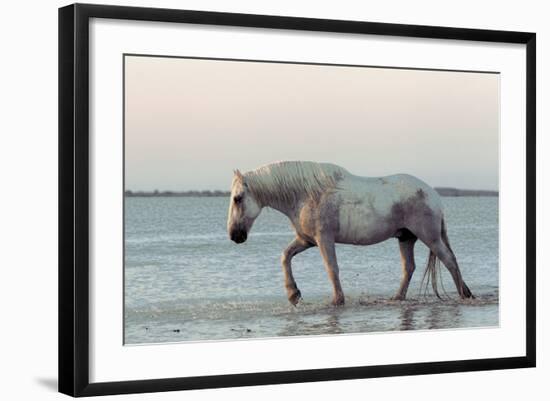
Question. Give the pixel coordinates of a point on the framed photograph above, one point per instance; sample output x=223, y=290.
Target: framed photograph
x=251, y=199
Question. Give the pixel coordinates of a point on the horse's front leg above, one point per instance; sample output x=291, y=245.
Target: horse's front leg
x=294, y=248
x=328, y=252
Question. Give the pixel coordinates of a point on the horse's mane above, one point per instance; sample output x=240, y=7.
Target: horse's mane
x=289, y=181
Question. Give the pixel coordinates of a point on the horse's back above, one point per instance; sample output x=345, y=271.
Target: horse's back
x=373, y=209
x=383, y=192
x=410, y=186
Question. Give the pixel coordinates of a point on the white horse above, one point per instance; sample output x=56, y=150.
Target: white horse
x=327, y=205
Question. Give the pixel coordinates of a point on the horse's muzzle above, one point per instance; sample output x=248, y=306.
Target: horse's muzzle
x=238, y=236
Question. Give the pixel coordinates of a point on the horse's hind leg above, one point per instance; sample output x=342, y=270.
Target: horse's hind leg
x=294, y=248
x=406, y=247
x=433, y=233
x=446, y=255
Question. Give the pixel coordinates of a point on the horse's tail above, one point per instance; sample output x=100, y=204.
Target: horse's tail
x=430, y=275
x=433, y=267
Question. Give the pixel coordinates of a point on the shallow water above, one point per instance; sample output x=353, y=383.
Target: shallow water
x=185, y=281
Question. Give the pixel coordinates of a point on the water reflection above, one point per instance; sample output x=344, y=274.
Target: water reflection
x=325, y=322
x=333, y=324
x=360, y=315
x=407, y=318
x=376, y=315
x=445, y=315
x=430, y=316
x=292, y=323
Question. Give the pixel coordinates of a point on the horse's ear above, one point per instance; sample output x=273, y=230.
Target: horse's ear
x=238, y=174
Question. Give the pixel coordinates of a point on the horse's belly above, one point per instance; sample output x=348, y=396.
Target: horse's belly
x=362, y=226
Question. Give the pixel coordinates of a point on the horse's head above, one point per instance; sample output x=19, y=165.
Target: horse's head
x=243, y=209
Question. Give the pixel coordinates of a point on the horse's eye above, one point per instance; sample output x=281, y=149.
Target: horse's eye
x=238, y=199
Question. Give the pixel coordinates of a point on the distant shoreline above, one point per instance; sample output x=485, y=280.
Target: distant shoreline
x=443, y=191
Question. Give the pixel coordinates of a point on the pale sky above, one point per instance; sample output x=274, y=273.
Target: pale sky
x=189, y=123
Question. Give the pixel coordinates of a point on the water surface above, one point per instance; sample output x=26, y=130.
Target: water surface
x=185, y=281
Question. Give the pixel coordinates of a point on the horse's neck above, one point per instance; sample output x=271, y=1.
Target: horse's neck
x=276, y=196
x=290, y=209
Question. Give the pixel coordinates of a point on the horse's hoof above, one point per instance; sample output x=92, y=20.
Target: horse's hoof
x=295, y=297
x=466, y=293
x=397, y=298
x=340, y=301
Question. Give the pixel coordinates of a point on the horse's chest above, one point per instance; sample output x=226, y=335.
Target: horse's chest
x=316, y=219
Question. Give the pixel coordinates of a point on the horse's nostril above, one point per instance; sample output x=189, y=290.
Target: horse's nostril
x=238, y=236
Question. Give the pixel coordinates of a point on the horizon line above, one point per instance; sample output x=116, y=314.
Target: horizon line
x=442, y=191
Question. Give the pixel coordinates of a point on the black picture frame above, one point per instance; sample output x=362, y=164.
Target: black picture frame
x=74, y=198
